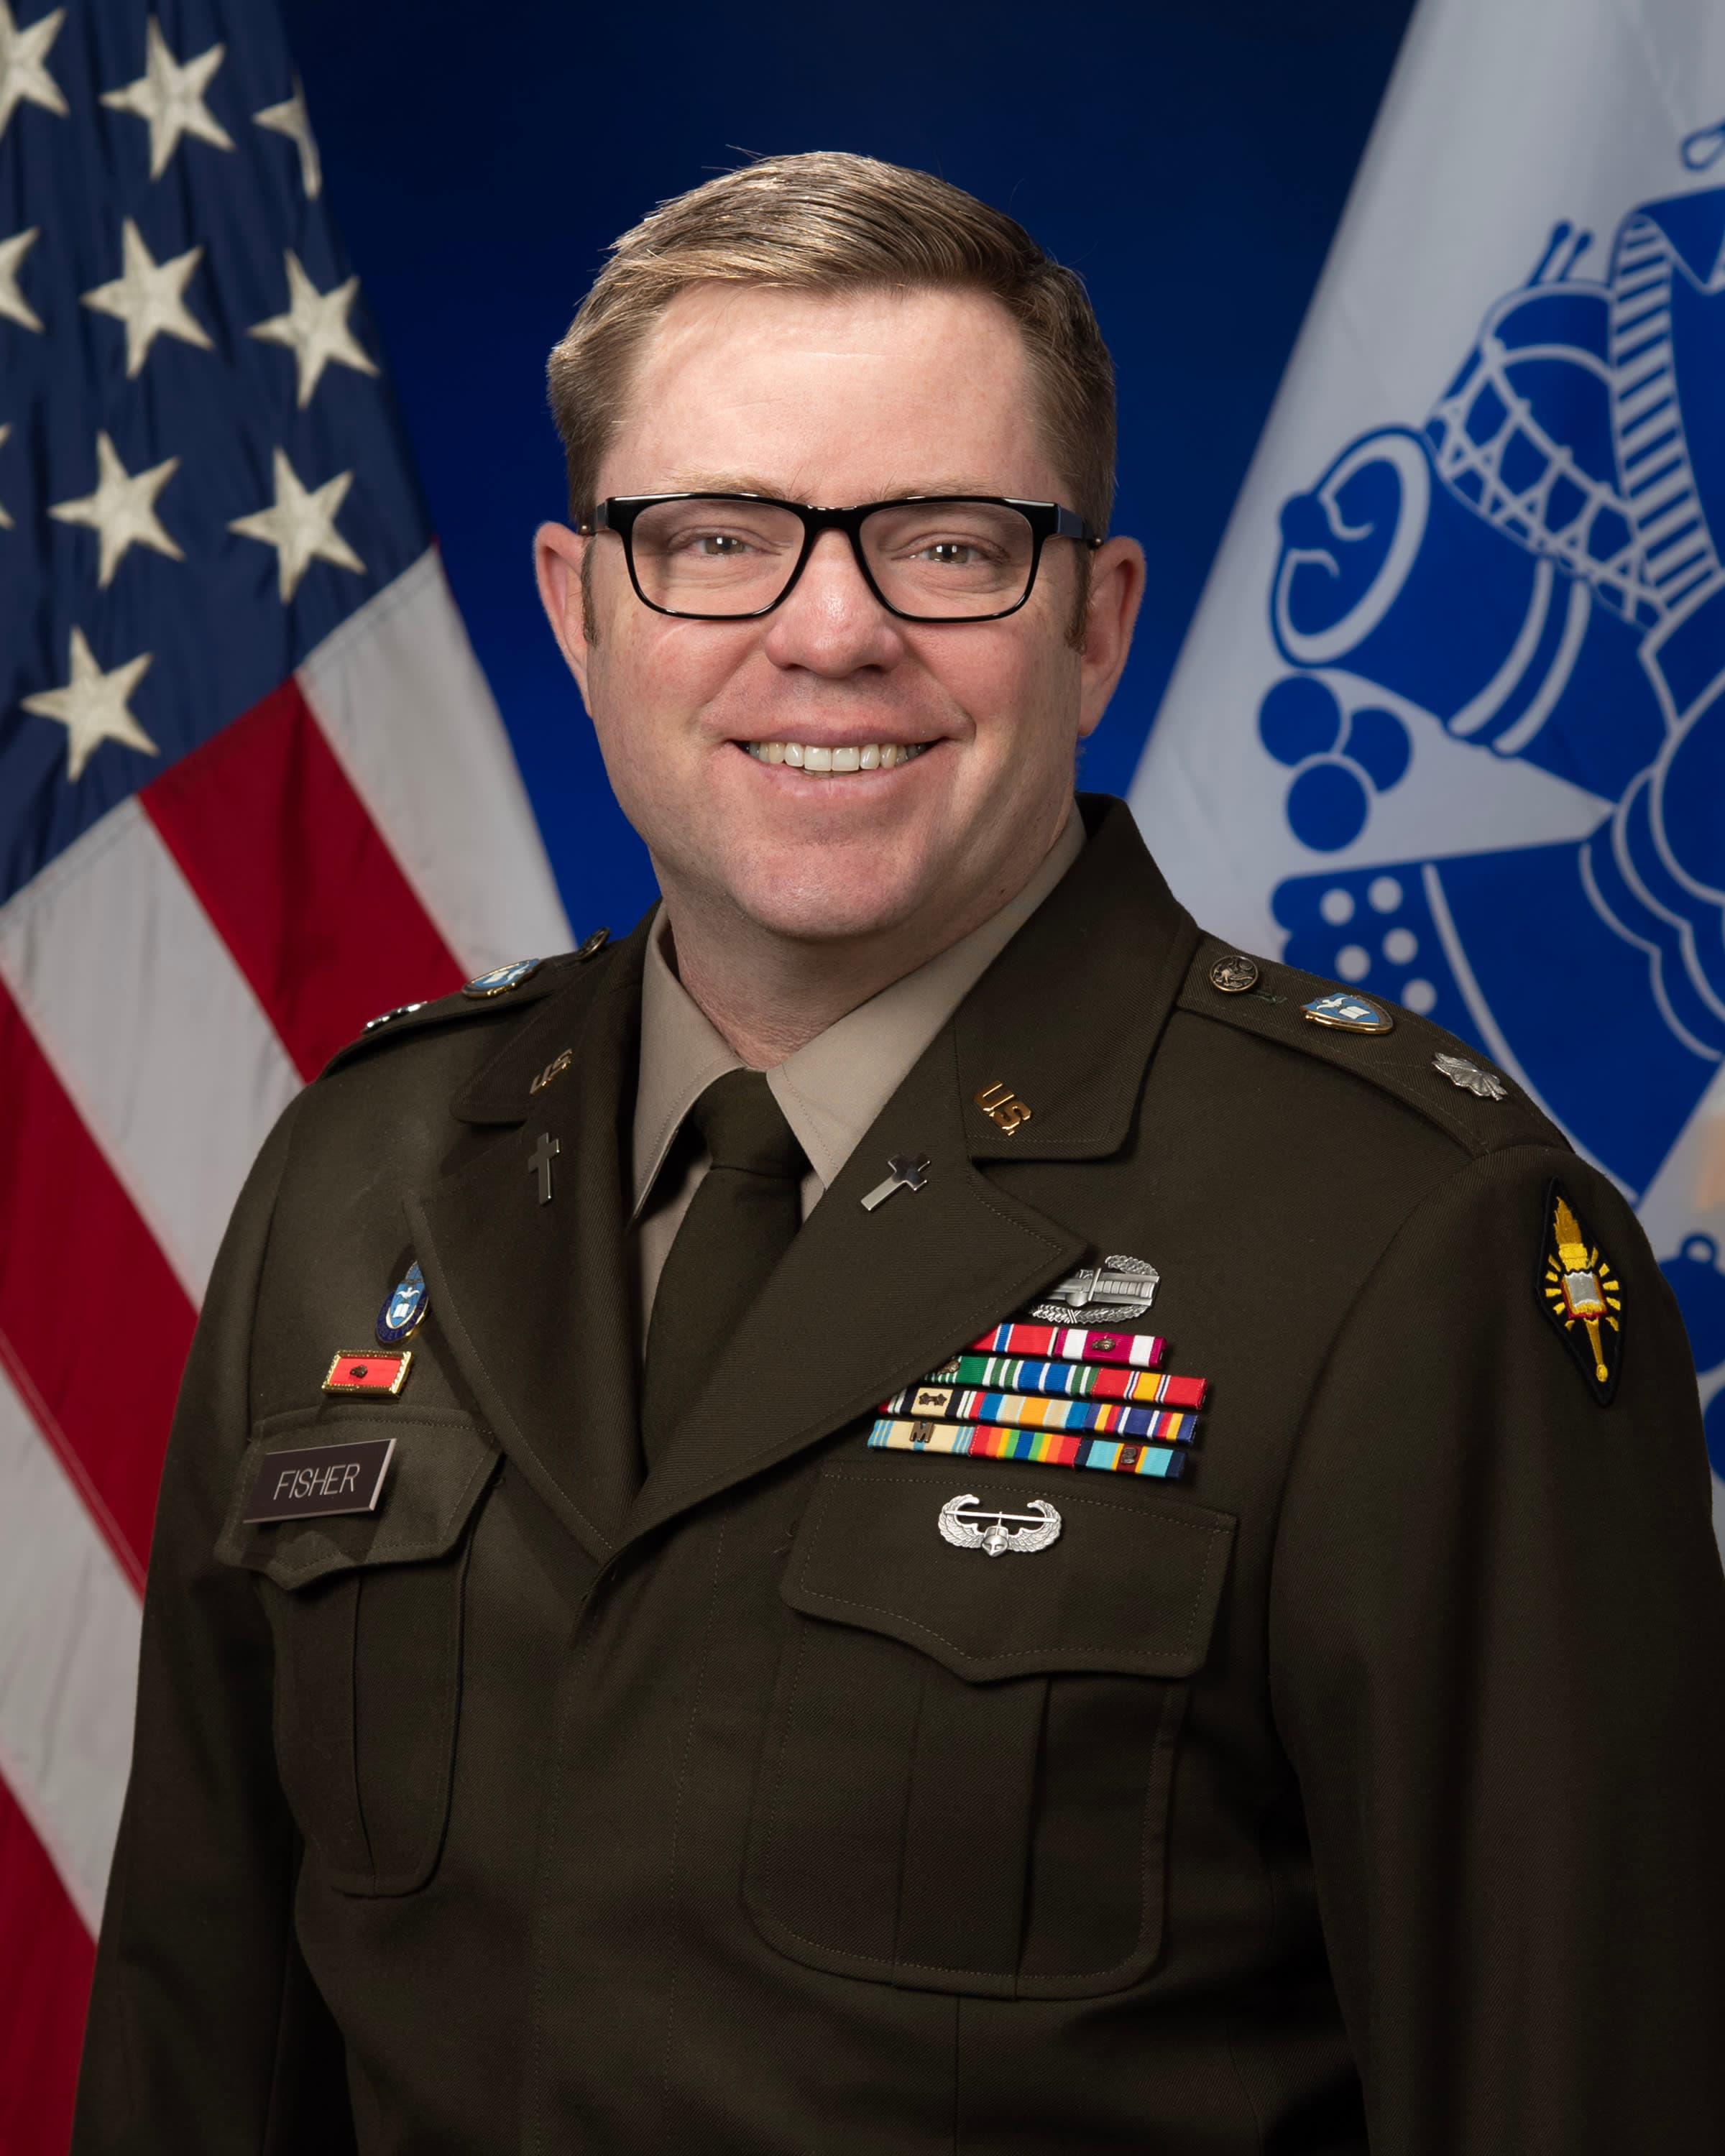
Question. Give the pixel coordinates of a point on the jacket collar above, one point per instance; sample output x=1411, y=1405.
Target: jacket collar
x=533, y=1299
x=537, y=1301
x=864, y=1303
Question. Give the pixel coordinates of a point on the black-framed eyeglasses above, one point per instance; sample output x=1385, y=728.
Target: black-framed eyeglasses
x=929, y=558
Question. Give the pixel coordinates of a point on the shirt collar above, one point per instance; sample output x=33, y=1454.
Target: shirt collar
x=832, y=1089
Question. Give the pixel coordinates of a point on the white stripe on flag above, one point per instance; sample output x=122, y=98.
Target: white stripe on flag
x=151, y=1029
x=68, y=1651
x=404, y=706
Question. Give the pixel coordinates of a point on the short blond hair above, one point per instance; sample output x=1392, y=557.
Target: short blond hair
x=826, y=221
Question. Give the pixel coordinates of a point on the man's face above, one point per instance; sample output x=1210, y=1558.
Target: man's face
x=838, y=400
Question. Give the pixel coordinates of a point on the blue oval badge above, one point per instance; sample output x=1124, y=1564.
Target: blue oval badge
x=1349, y=1014
x=501, y=978
x=406, y=1307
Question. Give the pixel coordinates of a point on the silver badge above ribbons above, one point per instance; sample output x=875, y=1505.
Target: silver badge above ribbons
x=969, y=1524
x=1469, y=1077
x=1112, y=1293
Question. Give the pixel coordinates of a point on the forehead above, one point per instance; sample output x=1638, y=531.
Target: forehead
x=838, y=397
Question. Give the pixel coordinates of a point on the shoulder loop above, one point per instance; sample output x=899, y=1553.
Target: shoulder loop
x=1428, y=1069
x=488, y=996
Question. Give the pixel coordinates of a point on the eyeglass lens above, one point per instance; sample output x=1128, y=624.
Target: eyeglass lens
x=948, y=561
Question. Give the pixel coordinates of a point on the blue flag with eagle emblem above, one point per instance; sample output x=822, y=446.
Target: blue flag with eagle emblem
x=1449, y=723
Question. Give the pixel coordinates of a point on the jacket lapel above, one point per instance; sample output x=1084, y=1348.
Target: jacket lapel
x=865, y=1302
x=534, y=1299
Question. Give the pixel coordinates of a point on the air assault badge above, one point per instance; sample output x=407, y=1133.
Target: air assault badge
x=1582, y=1295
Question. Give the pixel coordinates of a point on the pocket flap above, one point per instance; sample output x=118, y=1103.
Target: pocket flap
x=440, y=1465
x=1132, y=1582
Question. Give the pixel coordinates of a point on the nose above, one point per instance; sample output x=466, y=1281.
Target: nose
x=832, y=623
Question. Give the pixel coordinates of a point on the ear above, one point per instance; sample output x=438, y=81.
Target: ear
x=558, y=556
x=1116, y=587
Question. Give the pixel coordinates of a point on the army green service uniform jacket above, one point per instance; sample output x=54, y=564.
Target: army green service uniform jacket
x=1363, y=1789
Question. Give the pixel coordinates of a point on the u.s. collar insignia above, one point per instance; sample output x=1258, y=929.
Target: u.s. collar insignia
x=1349, y=1014
x=1112, y=1293
x=501, y=979
x=1581, y=1294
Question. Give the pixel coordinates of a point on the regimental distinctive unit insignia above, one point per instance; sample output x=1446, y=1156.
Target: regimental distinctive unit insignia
x=1581, y=1294
x=1348, y=1013
x=1234, y=976
x=970, y=1525
x=404, y=1311
x=1469, y=1077
x=369, y=1371
x=1112, y=1293
x=501, y=979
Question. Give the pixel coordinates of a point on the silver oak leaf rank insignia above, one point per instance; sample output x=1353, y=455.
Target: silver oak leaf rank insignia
x=1581, y=1294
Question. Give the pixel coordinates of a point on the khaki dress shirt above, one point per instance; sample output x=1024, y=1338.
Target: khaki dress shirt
x=831, y=1090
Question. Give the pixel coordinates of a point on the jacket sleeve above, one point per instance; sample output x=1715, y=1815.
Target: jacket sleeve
x=205, y=2032
x=1498, y=1665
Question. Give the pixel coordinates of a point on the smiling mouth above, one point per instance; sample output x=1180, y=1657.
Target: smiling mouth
x=817, y=762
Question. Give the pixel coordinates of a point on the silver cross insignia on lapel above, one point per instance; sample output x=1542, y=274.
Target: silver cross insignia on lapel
x=907, y=1174
x=539, y=1163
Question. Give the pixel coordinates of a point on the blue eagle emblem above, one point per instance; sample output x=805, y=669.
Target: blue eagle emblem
x=405, y=1307
x=501, y=978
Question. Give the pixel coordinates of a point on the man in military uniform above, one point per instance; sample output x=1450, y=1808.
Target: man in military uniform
x=916, y=1510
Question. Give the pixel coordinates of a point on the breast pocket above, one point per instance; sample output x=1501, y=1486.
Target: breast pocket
x=366, y=1613
x=966, y=1780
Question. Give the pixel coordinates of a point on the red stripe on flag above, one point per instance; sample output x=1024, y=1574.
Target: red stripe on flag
x=298, y=880
x=94, y=1326
x=49, y=1956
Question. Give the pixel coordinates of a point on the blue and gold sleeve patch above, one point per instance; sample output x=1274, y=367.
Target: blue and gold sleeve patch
x=1581, y=1294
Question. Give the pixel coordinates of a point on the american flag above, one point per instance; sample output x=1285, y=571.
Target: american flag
x=253, y=790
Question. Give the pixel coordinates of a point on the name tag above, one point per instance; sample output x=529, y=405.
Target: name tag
x=319, y=1478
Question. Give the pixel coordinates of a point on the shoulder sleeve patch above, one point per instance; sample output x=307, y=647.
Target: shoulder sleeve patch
x=1580, y=1294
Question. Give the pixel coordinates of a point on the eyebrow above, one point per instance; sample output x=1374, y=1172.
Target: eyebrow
x=709, y=482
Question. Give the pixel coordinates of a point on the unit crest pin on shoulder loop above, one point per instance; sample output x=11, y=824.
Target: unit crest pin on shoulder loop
x=1348, y=1013
x=501, y=979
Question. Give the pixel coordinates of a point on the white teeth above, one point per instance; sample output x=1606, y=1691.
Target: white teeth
x=833, y=763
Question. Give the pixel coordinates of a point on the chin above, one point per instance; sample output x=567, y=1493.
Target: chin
x=807, y=895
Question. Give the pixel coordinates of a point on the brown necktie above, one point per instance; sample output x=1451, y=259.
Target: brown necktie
x=739, y=1224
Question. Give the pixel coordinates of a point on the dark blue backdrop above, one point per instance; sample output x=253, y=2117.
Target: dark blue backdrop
x=1189, y=156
